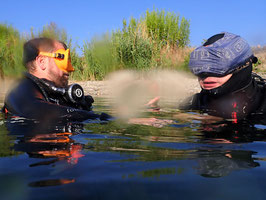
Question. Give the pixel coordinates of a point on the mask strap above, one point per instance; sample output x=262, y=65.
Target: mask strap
x=52, y=55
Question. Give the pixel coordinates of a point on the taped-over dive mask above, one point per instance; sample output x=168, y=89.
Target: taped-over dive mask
x=222, y=54
x=62, y=59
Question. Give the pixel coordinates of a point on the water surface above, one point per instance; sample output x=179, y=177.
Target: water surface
x=195, y=157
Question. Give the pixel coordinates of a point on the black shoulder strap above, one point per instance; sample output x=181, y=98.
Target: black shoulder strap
x=38, y=83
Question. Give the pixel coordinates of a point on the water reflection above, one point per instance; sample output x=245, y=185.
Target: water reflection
x=54, y=182
x=48, y=144
x=74, y=155
x=215, y=163
x=216, y=146
x=228, y=132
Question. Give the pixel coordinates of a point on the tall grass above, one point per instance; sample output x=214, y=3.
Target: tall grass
x=145, y=43
x=99, y=58
x=10, y=51
x=132, y=50
x=156, y=40
x=166, y=28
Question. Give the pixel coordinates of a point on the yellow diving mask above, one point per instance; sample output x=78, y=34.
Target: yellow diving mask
x=62, y=59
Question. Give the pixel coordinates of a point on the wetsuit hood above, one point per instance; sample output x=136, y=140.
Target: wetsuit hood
x=237, y=81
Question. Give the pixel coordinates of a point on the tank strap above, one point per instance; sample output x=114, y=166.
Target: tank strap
x=38, y=83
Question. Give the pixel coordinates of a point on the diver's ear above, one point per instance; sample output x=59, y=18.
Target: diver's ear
x=41, y=62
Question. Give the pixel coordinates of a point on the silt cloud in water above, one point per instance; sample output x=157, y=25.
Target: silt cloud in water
x=132, y=90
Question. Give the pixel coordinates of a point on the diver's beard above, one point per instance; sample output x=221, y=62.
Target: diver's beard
x=58, y=81
x=63, y=82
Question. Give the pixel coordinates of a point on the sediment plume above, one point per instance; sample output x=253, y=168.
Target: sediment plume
x=132, y=91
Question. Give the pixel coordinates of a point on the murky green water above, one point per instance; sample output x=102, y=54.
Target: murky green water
x=195, y=157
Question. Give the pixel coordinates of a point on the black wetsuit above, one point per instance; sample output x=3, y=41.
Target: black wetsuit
x=30, y=99
x=245, y=102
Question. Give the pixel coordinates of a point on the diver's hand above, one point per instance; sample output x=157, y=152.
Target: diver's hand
x=86, y=103
x=153, y=103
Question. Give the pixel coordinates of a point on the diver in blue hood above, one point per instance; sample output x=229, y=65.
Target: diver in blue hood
x=223, y=65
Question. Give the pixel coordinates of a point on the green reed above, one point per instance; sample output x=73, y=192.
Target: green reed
x=155, y=40
x=145, y=43
x=166, y=28
x=10, y=51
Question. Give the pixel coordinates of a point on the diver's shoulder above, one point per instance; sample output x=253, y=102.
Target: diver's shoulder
x=24, y=88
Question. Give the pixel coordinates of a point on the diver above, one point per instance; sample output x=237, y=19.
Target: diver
x=229, y=89
x=44, y=93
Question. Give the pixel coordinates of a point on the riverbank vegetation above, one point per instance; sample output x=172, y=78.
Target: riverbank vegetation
x=157, y=40
x=10, y=51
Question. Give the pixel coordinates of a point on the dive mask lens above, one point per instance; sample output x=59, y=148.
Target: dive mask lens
x=205, y=75
x=62, y=59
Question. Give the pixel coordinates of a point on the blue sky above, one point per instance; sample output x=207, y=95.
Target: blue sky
x=84, y=19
